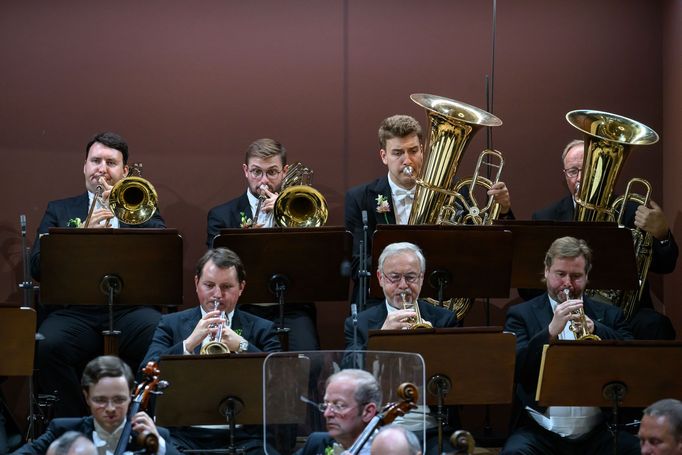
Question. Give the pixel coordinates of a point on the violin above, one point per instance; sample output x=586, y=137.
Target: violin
x=408, y=394
x=147, y=440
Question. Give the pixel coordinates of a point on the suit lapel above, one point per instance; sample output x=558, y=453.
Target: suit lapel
x=240, y=322
x=188, y=324
x=542, y=311
x=382, y=188
x=376, y=319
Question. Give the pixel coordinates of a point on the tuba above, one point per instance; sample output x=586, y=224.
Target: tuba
x=298, y=203
x=608, y=141
x=436, y=200
x=452, y=125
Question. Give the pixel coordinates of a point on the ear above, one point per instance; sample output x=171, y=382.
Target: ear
x=196, y=282
x=380, y=277
x=546, y=272
x=242, y=285
x=384, y=156
x=245, y=168
x=369, y=412
x=285, y=169
x=126, y=169
x=86, y=395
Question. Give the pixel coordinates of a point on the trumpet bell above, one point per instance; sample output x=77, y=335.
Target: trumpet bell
x=133, y=200
x=214, y=347
x=300, y=206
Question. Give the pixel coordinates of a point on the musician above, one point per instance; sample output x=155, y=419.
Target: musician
x=72, y=443
x=395, y=440
x=351, y=400
x=220, y=277
x=73, y=334
x=561, y=430
x=660, y=432
x=401, y=271
x=107, y=385
x=388, y=200
x=265, y=166
x=646, y=323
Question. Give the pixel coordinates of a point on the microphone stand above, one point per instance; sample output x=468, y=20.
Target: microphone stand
x=363, y=273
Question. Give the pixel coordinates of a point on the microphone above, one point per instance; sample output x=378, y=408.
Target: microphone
x=364, y=219
x=354, y=313
x=22, y=222
x=345, y=268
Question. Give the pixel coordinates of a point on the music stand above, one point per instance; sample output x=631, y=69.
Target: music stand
x=477, y=367
x=613, y=254
x=231, y=390
x=477, y=258
x=268, y=257
x=128, y=266
x=610, y=373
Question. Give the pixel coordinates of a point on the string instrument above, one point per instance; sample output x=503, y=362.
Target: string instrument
x=147, y=440
x=408, y=394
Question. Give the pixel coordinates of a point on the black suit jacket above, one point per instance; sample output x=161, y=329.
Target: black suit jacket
x=373, y=318
x=529, y=321
x=316, y=444
x=60, y=212
x=84, y=425
x=174, y=328
x=227, y=215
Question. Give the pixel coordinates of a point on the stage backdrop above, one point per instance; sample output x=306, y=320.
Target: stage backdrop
x=191, y=84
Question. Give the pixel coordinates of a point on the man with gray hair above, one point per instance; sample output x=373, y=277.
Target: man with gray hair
x=660, y=432
x=395, y=440
x=72, y=443
x=351, y=400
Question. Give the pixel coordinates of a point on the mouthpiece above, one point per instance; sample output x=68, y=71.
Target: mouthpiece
x=408, y=171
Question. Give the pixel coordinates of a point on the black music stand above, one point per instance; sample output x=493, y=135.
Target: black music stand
x=273, y=256
x=209, y=390
x=610, y=373
x=476, y=259
x=613, y=254
x=128, y=266
x=477, y=367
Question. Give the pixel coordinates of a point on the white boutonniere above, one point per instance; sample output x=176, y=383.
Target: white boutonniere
x=383, y=206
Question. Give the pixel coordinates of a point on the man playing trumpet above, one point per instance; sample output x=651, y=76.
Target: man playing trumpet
x=561, y=429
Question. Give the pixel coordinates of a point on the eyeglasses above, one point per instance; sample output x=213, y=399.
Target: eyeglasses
x=410, y=278
x=257, y=173
x=104, y=401
x=336, y=408
x=572, y=172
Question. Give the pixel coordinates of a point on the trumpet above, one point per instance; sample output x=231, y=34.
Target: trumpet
x=417, y=322
x=216, y=346
x=580, y=330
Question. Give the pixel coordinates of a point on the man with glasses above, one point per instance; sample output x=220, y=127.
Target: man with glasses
x=646, y=323
x=351, y=399
x=265, y=166
x=107, y=386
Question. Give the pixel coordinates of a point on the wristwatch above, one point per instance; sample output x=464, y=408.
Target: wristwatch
x=243, y=346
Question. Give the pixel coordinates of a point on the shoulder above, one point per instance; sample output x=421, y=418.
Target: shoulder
x=528, y=306
x=189, y=313
x=64, y=424
x=373, y=186
x=229, y=205
x=554, y=210
x=69, y=201
x=257, y=321
x=317, y=442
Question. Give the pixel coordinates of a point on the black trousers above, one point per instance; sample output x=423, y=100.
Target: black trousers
x=300, y=318
x=73, y=337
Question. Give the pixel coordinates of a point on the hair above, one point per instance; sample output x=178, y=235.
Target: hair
x=265, y=148
x=398, y=126
x=569, y=146
x=367, y=387
x=402, y=247
x=671, y=409
x=63, y=444
x=569, y=247
x=111, y=140
x=413, y=445
x=106, y=366
x=224, y=259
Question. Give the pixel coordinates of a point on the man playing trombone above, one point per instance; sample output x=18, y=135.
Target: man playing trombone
x=73, y=334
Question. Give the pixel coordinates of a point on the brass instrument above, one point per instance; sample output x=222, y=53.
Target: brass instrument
x=216, y=346
x=132, y=199
x=417, y=322
x=261, y=198
x=608, y=141
x=628, y=300
x=580, y=332
x=298, y=203
x=452, y=125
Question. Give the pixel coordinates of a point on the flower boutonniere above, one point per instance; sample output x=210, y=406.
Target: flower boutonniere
x=74, y=222
x=383, y=206
x=238, y=331
x=329, y=450
x=244, y=221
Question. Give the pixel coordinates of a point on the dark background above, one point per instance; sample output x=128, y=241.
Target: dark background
x=191, y=84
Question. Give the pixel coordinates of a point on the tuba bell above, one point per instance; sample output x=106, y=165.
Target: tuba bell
x=452, y=125
x=298, y=203
x=608, y=141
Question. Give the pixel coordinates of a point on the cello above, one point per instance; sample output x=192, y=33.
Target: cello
x=408, y=394
x=150, y=385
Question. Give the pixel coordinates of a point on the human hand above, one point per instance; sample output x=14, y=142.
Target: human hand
x=500, y=193
x=208, y=325
x=652, y=220
x=269, y=202
x=401, y=319
x=563, y=314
